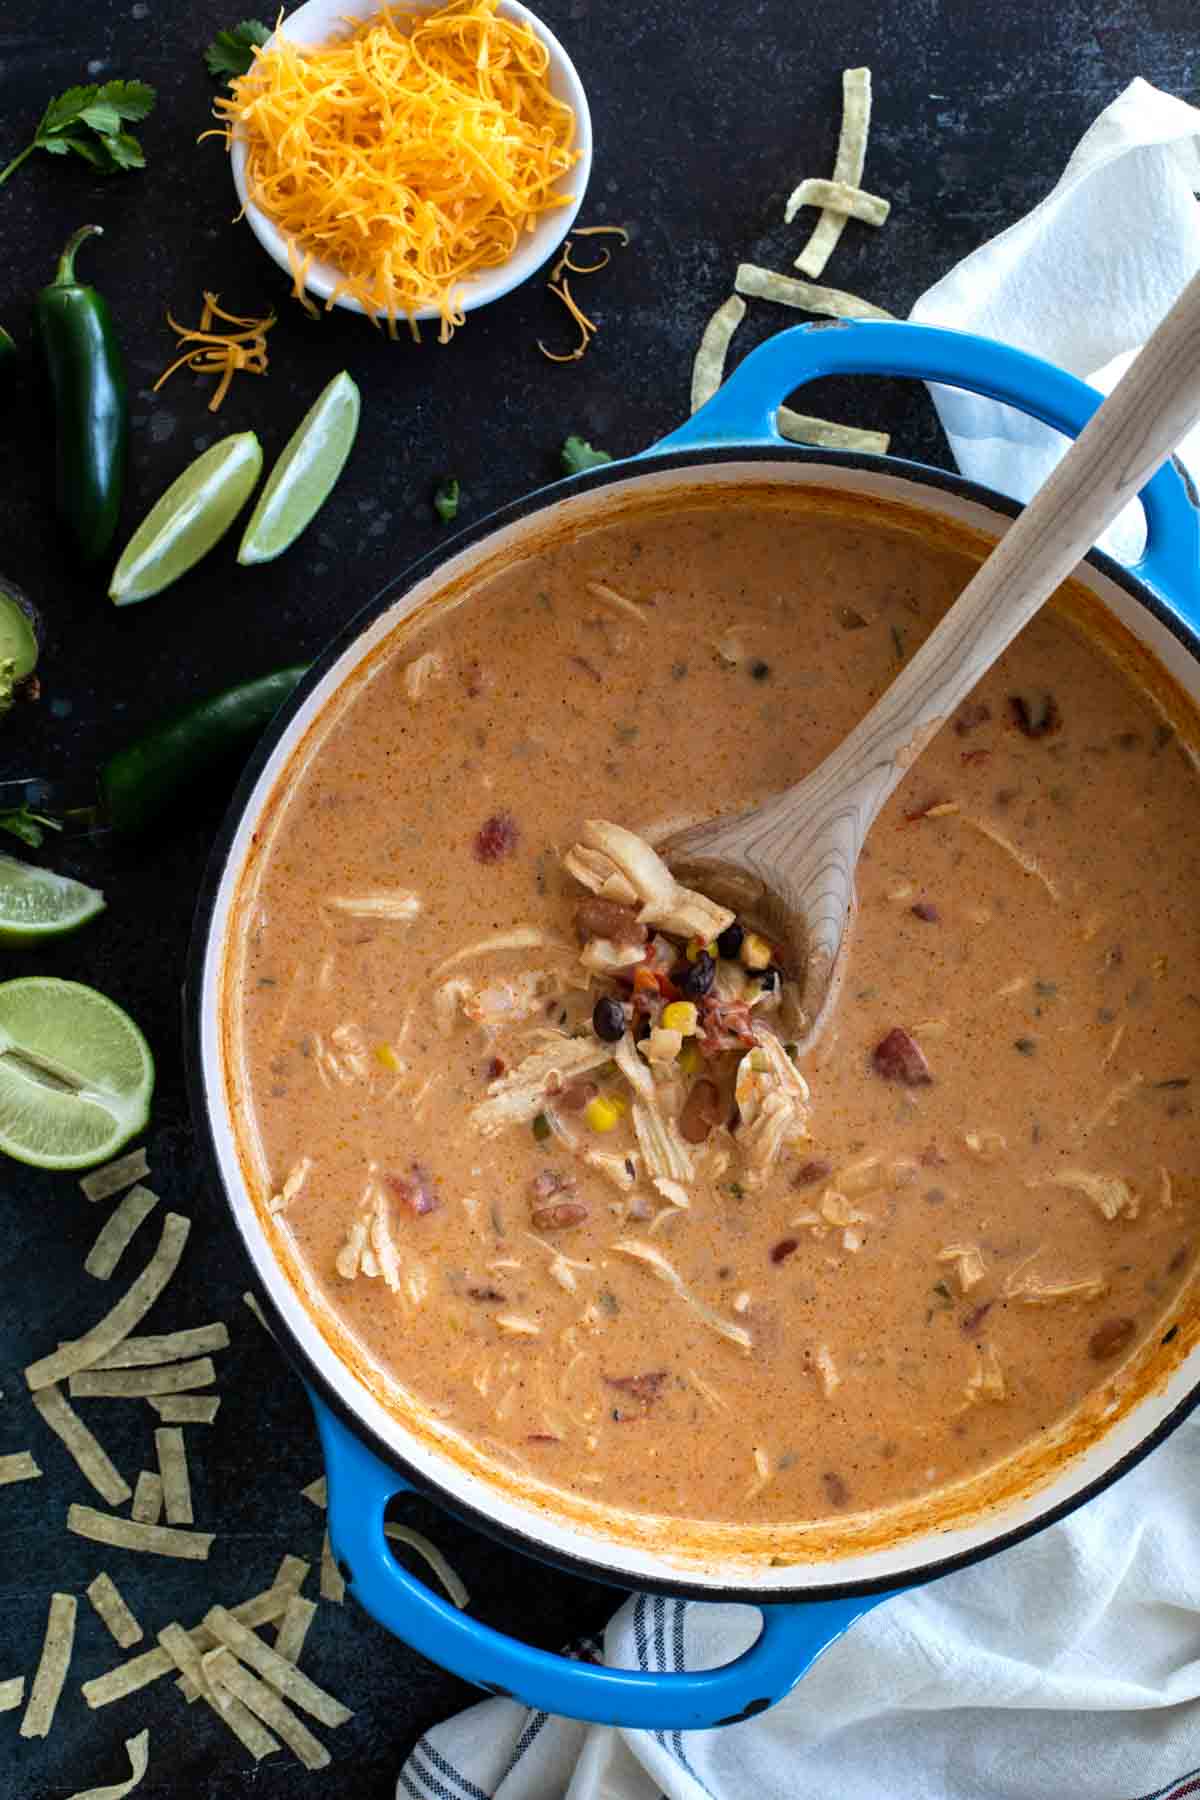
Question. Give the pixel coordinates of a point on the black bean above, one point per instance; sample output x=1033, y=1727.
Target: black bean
x=1026, y=1045
x=769, y=980
x=730, y=941
x=759, y=671
x=695, y=978
x=608, y=1020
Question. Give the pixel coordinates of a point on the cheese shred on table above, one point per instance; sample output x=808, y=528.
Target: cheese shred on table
x=410, y=153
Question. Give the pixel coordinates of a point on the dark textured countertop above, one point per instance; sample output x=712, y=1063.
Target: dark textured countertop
x=704, y=117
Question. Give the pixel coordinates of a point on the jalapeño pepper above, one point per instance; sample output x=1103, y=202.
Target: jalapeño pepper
x=75, y=336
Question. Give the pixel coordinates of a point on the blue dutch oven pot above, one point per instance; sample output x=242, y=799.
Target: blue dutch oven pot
x=370, y=1456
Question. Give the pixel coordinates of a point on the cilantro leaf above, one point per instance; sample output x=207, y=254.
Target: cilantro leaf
x=578, y=455
x=445, y=500
x=27, y=825
x=131, y=100
x=232, y=52
x=87, y=121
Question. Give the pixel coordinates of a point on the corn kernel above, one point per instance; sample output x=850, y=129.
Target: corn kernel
x=689, y=1060
x=681, y=1016
x=603, y=1113
x=387, y=1058
x=696, y=949
x=755, y=952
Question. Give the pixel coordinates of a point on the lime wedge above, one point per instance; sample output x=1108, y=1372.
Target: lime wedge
x=309, y=464
x=76, y=1074
x=196, y=510
x=37, y=904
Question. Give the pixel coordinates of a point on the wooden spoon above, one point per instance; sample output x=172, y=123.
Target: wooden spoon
x=791, y=861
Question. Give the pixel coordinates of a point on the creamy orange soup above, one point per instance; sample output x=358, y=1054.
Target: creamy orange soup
x=691, y=1270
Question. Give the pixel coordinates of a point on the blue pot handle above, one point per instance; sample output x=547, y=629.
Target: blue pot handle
x=359, y=1488
x=743, y=411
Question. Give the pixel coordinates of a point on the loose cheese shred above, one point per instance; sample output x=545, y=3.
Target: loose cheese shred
x=410, y=153
x=587, y=329
x=222, y=353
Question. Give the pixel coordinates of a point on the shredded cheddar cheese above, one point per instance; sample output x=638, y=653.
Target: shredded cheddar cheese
x=222, y=353
x=410, y=153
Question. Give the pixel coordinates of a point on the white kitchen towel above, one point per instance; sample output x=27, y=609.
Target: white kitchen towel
x=1082, y=280
x=1069, y=1665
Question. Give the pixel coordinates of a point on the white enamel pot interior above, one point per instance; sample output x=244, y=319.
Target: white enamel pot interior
x=909, y=1544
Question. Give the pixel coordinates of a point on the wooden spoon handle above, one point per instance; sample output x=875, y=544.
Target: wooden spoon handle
x=818, y=826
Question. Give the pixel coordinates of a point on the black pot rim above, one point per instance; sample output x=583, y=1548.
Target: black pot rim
x=540, y=499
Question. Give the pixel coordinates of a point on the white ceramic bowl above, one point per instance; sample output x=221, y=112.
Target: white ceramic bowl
x=315, y=23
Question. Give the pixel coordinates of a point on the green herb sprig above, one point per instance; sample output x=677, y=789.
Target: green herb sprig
x=90, y=122
x=578, y=455
x=231, y=52
x=28, y=825
x=445, y=500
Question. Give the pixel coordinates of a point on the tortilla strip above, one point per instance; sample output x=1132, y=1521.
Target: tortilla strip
x=173, y=1467
x=19, y=1466
x=802, y=428
x=333, y=1582
x=106, y=1597
x=317, y=1491
x=838, y=197
x=223, y=1670
x=147, y=1498
x=806, y=296
x=293, y=1628
x=449, y=1577
x=129, y=1534
x=708, y=369
x=52, y=1666
x=167, y=1346
x=110, y=1178
x=138, y=1751
x=188, y=1660
x=185, y=1409
x=125, y=1384
x=281, y=1674
x=89, y=1454
x=847, y=168
x=117, y=1324
x=12, y=1692
x=260, y=1609
x=114, y=1236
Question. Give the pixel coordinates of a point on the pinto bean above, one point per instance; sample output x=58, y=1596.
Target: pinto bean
x=414, y=1190
x=595, y=917
x=835, y=1487
x=1111, y=1338
x=564, y=1215
x=783, y=1249
x=701, y=1111
x=816, y=1169
x=643, y=1387
x=898, y=1057
x=926, y=911
x=575, y=1096
x=974, y=713
x=550, y=1182
x=496, y=838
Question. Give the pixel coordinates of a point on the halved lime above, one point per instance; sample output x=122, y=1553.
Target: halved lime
x=76, y=1074
x=37, y=904
x=197, y=509
x=309, y=464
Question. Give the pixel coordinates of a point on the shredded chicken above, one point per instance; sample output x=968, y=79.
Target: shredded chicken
x=1022, y=858
x=514, y=1097
x=1032, y=1292
x=986, y=1145
x=827, y=1371
x=666, y=1271
x=835, y=1209
x=663, y=900
x=398, y=904
x=986, y=1380
x=600, y=956
x=968, y=1264
x=523, y=937
x=1105, y=1115
x=663, y=1150
x=295, y=1180
x=1109, y=1194
x=601, y=591
x=620, y=1170
x=420, y=672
